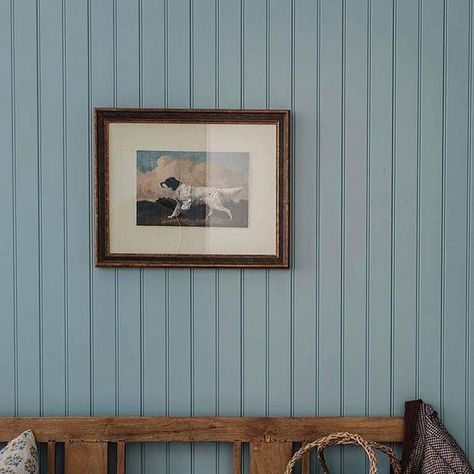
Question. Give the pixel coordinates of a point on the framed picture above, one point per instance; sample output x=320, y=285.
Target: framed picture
x=192, y=188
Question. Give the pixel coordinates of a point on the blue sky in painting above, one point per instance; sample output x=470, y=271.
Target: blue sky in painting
x=236, y=161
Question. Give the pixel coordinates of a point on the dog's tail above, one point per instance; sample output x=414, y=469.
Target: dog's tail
x=230, y=193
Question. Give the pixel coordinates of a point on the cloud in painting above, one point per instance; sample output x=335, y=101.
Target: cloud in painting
x=203, y=170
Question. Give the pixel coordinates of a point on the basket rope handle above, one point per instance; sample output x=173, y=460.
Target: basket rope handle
x=332, y=440
x=394, y=462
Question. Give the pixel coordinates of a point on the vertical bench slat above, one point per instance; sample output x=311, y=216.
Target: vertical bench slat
x=51, y=458
x=237, y=458
x=269, y=457
x=305, y=462
x=85, y=457
x=121, y=457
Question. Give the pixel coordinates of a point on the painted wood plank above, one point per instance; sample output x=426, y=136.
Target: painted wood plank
x=203, y=29
x=255, y=337
x=7, y=213
x=178, y=54
x=330, y=223
x=430, y=203
x=405, y=168
x=153, y=67
x=155, y=401
x=470, y=242
x=330, y=168
x=256, y=30
x=229, y=54
x=453, y=370
x=379, y=310
x=77, y=209
x=52, y=272
x=229, y=342
x=26, y=227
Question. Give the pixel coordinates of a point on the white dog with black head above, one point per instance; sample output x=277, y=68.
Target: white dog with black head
x=186, y=196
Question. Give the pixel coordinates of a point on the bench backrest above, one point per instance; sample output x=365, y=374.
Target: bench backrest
x=86, y=439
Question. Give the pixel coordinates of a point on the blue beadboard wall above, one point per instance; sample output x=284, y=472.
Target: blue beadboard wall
x=377, y=307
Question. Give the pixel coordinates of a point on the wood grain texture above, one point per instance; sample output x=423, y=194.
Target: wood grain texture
x=51, y=462
x=176, y=429
x=266, y=458
x=121, y=457
x=237, y=458
x=85, y=458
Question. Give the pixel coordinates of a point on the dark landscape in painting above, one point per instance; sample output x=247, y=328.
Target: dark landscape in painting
x=156, y=213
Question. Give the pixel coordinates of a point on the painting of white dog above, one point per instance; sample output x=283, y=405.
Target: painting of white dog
x=192, y=188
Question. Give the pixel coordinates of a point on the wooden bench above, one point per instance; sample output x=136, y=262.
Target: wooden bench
x=86, y=440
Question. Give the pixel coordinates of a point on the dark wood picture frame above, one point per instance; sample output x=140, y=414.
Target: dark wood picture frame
x=105, y=258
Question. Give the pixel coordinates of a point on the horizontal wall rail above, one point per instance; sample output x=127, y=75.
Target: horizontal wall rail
x=212, y=429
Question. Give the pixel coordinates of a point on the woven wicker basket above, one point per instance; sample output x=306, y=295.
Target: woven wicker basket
x=342, y=439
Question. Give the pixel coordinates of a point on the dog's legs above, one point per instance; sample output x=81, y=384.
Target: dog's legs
x=223, y=209
x=177, y=211
x=209, y=214
x=186, y=205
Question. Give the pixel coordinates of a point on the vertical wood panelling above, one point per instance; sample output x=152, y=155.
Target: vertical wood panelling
x=377, y=306
x=470, y=242
x=26, y=171
x=331, y=216
x=455, y=200
x=7, y=212
x=76, y=177
x=52, y=210
x=379, y=213
x=404, y=202
x=330, y=208
x=431, y=128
